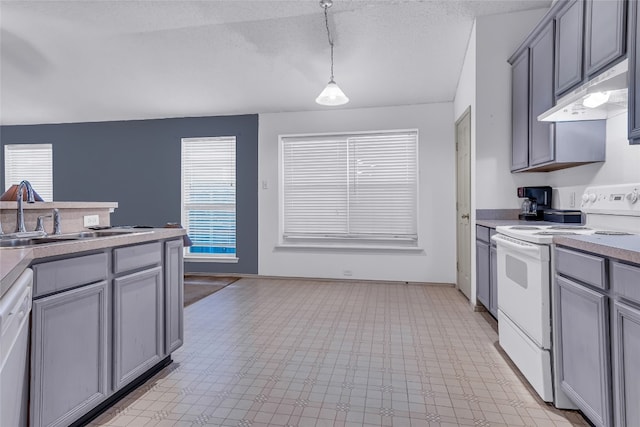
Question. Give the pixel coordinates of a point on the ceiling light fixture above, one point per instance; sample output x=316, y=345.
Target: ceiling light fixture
x=332, y=95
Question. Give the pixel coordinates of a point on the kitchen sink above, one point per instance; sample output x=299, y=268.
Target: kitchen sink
x=100, y=233
x=18, y=243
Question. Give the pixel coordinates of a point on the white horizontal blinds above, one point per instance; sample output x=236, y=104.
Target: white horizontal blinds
x=383, y=185
x=31, y=162
x=315, y=186
x=209, y=194
x=350, y=186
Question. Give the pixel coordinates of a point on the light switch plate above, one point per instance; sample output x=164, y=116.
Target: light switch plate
x=90, y=220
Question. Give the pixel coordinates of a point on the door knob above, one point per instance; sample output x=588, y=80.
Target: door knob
x=465, y=216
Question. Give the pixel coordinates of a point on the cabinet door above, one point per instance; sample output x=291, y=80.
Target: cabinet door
x=634, y=73
x=568, y=40
x=520, y=112
x=174, y=296
x=69, y=368
x=541, y=142
x=493, y=282
x=482, y=273
x=605, y=35
x=137, y=324
x=584, y=366
x=626, y=364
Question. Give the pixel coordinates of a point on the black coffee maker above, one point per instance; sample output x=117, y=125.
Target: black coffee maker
x=536, y=201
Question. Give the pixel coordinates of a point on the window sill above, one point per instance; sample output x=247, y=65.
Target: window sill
x=225, y=260
x=350, y=248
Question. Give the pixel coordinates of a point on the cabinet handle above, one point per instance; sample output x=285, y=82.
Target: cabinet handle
x=464, y=216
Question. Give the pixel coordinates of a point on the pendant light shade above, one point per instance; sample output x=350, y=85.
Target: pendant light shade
x=332, y=95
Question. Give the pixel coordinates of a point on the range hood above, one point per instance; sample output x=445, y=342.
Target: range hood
x=601, y=97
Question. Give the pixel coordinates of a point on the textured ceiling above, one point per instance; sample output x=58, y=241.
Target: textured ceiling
x=75, y=61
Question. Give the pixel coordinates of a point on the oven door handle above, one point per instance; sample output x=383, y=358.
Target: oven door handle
x=520, y=246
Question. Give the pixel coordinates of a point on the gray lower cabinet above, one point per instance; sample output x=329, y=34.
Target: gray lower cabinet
x=634, y=73
x=486, y=268
x=482, y=273
x=625, y=282
x=138, y=330
x=174, y=295
x=585, y=365
x=626, y=335
x=69, y=363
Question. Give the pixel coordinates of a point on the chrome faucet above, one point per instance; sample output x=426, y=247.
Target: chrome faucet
x=56, y=221
x=20, y=212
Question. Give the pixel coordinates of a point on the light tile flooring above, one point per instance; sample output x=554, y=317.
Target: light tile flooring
x=301, y=353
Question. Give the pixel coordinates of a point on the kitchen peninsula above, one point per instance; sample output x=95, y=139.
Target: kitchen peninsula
x=107, y=308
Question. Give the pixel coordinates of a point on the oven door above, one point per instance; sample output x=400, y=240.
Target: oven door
x=524, y=287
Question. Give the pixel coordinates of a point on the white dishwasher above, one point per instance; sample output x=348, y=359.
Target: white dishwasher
x=15, y=308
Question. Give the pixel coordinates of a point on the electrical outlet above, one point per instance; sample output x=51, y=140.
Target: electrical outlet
x=347, y=273
x=90, y=220
x=572, y=199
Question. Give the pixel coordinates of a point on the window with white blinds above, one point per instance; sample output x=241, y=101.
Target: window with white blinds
x=209, y=196
x=350, y=187
x=31, y=162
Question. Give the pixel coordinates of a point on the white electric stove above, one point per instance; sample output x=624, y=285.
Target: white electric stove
x=525, y=271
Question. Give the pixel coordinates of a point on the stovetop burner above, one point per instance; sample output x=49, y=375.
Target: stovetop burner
x=569, y=227
x=613, y=233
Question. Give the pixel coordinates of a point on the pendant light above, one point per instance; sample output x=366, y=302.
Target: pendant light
x=332, y=95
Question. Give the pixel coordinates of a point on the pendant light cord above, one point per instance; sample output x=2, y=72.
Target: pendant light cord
x=326, y=22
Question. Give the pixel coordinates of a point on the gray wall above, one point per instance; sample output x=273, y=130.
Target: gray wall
x=137, y=164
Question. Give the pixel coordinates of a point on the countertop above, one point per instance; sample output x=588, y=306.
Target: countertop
x=624, y=248
x=13, y=261
x=493, y=223
x=60, y=205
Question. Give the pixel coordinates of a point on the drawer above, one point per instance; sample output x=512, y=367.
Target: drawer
x=625, y=280
x=589, y=269
x=67, y=273
x=482, y=233
x=137, y=256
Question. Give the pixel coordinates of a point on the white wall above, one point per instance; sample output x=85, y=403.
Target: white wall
x=436, y=224
x=622, y=166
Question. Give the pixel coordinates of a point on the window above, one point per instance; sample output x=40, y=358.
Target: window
x=209, y=196
x=31, y=162
x=359, y=188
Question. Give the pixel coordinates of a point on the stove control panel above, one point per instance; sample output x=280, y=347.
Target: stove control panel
x=621, y=199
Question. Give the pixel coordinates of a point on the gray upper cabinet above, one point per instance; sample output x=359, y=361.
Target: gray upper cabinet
x=605, y=40
x=520, y=111
x=569, y=39
x=541, y=143
x=69, y=362
x=634, y=73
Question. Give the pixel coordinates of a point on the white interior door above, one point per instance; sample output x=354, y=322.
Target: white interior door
x=463, y=202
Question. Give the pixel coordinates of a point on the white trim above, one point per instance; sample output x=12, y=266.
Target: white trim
x=338, y=247
x=225, y=260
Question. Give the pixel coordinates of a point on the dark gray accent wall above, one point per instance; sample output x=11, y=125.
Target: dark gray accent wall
x=137, y=164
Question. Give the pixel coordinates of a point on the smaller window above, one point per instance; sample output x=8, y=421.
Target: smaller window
x=209, y=196
x=31, y=162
